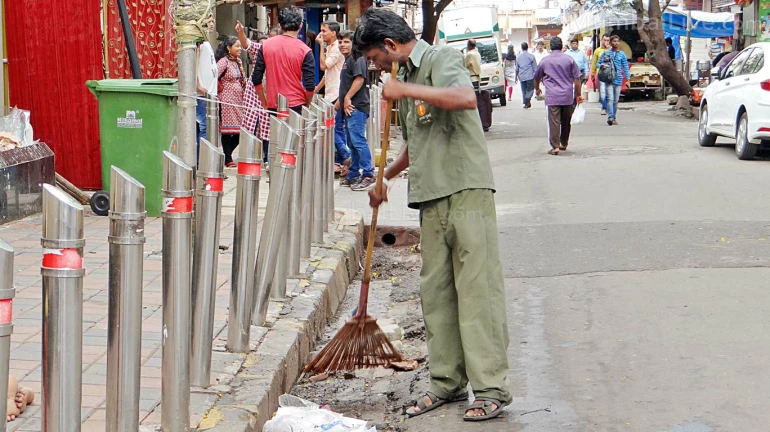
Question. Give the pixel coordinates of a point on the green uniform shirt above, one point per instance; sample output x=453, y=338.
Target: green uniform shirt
x=447, y=150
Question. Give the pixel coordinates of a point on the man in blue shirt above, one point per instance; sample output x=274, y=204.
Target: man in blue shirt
x=579, y=57
x=612, y=91
x=525, y=72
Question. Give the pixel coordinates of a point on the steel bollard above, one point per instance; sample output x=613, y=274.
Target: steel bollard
x=306, y=216
x=124, y=321
x=275, y=220
x=318, y=189
x=277, y=285
x=283, y=114
x=243, y=281
x=177, y=242
x=7, y=292
x=208, y=194
x=212, y=121
x=62, y=271
x=330, y=165
x=297, y=123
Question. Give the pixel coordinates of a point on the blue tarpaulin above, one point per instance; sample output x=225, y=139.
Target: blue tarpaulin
x=704, y=24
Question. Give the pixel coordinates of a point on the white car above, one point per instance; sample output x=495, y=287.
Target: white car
x=737, y=104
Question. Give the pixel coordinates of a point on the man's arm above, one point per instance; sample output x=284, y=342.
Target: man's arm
x=358, y=82
x=308, y=76
x=624, y=62
x=320, y=85
x=321, y=53
x=258, y=76
x=334, y=57
x=399, y=164
x=242, y=35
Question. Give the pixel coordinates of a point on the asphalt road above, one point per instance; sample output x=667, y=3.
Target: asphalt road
x=636, y=275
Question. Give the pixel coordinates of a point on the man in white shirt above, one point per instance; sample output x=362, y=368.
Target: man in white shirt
x=331, y=61
x=540, y=52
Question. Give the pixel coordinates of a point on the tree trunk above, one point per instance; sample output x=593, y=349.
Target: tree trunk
x=654, y=40
x=430, y=15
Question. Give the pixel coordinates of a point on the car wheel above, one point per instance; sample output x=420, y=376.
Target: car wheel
x=502, y=100
x=705, y=139
x=743, y=148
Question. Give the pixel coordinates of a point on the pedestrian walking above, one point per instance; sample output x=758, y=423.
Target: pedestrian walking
x=331, y=61
x=473, y=63
x=617, y=59
x=579, y=57
x=286, y=63
x=510, y=71
x=605, y=45
x=561, y=77
x=540, y=51
x=255, y=118
x=232, y=82
x=353, y=104
x=451, y=183
x=525, y=74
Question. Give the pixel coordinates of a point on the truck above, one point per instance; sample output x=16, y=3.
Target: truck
x=457, y=26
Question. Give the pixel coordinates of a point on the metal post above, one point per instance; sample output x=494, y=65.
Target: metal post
x=186, y=60
x=208, y=205
x=307, y=182
x=283, y=114
x=7, y=292
x=242, y=281
x=177, y=244
x=278, y=284
x=318, y=189
x=688, y=47
x=330, y=164
x=62, y=272
x=212, y=121
x=275, y=220
x=296, y=122
x=124, y=321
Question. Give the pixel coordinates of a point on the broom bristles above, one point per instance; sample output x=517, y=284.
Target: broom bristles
x=355, y=346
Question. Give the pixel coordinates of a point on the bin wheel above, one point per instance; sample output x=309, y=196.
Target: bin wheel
x=100, y=203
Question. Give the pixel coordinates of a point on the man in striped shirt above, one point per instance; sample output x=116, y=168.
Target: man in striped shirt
x=612, y=91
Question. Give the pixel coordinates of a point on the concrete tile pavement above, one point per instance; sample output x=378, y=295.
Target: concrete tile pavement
x=26, y=346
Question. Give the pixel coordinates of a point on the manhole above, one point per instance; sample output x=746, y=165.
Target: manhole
x=389, y=239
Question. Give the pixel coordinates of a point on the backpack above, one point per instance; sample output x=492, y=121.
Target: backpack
x=607, y=71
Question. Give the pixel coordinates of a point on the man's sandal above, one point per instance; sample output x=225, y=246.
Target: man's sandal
x=484, y=404
x=435, y=402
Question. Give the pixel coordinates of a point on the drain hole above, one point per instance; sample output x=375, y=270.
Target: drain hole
x=389, y=239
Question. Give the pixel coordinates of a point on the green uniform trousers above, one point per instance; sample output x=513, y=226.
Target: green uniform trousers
x=463, y=298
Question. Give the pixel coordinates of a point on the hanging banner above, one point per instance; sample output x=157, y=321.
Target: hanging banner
x=763, y=35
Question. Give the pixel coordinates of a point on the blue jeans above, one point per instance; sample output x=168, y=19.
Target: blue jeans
x=355, y=126
x=200, y=119
x=602, y=95
x=611, y=93
x=342, y=151
x=527, y=90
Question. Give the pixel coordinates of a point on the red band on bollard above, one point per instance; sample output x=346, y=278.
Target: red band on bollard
x=247, y=168
x=283, y=114
x=330, y=122
x=288, y=159
x=62, y=259
x=215, y=184
x=178, y=205
x=6, y=311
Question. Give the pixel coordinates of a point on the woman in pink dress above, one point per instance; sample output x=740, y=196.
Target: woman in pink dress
x=232, y=81
x=254, y=115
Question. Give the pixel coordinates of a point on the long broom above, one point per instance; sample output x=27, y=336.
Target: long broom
x=360, y=343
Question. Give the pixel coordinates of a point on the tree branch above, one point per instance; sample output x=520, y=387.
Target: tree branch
x=442, y=4
x=668, y=2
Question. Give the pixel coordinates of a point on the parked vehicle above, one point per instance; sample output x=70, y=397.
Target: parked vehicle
x=457, y=26
x=737, y=104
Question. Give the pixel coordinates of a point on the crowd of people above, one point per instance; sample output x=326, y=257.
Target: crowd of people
x=283, y=64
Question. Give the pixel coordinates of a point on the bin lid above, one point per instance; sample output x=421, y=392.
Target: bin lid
x=160, y=86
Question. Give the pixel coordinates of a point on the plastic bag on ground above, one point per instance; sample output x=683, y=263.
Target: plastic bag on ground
x=578, y=115
x=298, y=415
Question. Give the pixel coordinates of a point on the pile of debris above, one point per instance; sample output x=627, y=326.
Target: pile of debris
x=9, y=140
x=15, y=130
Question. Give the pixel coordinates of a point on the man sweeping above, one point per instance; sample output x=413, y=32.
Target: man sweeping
x=451, y=183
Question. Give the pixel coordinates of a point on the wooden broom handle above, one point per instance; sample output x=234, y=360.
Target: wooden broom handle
x=364, y=297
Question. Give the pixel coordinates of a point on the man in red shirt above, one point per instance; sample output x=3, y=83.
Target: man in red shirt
x=287, y=64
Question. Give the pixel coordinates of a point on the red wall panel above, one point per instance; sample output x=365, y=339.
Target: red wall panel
x=54, y=47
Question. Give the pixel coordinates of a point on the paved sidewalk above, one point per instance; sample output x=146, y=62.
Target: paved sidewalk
x=26, y=347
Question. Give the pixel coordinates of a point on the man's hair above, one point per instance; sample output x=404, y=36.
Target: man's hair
x=541, y=43
x=378, y=24
x=344, y=34
x=333, y=26
x=556, y=43
x=669, y=40
x=574, y=40
x=524, y=46
x=471, y=43
x=290, y=18
x=606, y=35
x=614, y=37
x=262, y=37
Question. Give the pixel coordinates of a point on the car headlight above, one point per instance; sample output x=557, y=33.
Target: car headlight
x=495, y=79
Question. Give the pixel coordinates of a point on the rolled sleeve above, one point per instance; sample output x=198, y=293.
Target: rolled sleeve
x=449, y=70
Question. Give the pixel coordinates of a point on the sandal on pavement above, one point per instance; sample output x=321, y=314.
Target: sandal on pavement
x=562, y=148
x=435, y=402
x=552, y=152
x=485, y=405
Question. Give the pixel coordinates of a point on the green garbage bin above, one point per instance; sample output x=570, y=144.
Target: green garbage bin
x=137, y=121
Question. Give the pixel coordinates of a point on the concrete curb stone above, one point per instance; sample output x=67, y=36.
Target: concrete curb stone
x=273, y=368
